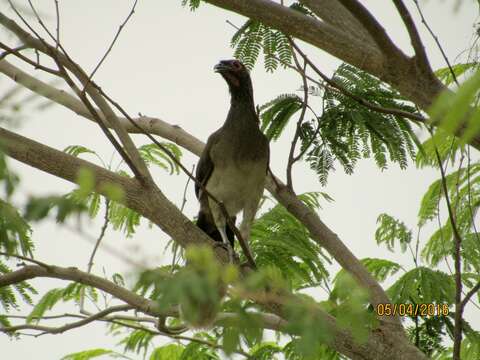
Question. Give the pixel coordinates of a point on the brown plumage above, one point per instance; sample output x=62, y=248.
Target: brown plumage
x=233, y=165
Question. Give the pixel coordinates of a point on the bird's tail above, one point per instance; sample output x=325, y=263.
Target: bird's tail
x=207, y=225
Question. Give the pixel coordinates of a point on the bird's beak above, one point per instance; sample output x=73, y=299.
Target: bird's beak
x=221, y=67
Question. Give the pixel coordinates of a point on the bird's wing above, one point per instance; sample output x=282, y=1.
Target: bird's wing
x=205, y=164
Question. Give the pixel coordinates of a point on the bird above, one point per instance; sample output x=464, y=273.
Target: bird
x=233, y=165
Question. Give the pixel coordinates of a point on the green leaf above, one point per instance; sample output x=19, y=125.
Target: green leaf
x=93, y=353
x=381, y=269
x=138, y=341
x=153, y=154
x=86, y=182
x=390, y=231
x=51, y=298
x=265, y=351
x=445, y=74
x=15, y=232
x=123, y=218
x=38, y=208
x=276, y=114
x=198, y=351
x=453, y=111
x=279, y=240
x=192, y=4
x=9, y=178
x=421, y=286
x=347, y=131
x=8, y=294
x=76, y=150
x=168, y=352
x=231, y=339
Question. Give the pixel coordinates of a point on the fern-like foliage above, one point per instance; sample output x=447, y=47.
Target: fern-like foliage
x=8, y=294
x=276, y=114
x=71, y=293
x=423, y=285
x=14, y=231
x=192, y=4
x=391, y=231
x=253, y=38
x=445, y=74
x=463, y=187
x=94, y=353
x=280, y=240
x=153, y=154
x=138, y=341
x=458, y=111
x=348, y=131
x=9, y=179
x=38, y=208
x=445, y=144
x=344, y=284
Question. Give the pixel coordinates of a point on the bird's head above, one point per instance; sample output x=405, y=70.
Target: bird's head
x=237, y=77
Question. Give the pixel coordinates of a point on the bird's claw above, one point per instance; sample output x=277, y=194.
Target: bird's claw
x=228, y=248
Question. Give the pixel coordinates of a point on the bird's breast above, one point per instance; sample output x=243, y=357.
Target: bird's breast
x=235, y=184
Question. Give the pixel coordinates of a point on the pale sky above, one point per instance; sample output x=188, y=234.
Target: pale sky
x=162, y=66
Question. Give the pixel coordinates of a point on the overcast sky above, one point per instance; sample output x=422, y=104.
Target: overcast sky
x=162, y=66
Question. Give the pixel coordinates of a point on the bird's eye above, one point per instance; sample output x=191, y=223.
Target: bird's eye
x=237, y=65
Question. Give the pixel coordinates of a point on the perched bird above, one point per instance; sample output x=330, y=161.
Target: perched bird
x=234, y=163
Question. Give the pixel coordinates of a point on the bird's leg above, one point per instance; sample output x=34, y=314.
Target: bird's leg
x=223, y=233
x=221, y=224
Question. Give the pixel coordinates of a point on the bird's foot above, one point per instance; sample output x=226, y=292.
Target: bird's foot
x=228, y=248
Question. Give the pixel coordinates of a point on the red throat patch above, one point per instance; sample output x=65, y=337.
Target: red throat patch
x=232, y=79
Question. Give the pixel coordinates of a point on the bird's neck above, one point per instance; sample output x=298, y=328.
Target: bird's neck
x=242, y=112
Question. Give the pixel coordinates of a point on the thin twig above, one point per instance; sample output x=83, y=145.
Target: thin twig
x=120, y=28
x=24, y=258
x=16, y=52
x=184, y=201
x=94, y=251
x=291, y=155
x=57, y=14
x=436, y=41
x=359, y=99
x=469, y=295
x=60, y=329
x=100, y=237
x=457, y=330
x=420, y=54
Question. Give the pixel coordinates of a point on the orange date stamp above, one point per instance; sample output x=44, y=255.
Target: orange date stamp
x=402, y=309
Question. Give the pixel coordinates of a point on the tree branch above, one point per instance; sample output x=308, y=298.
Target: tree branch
x=334, y=13
x=374, y=28
x=151, y=203
x=66, y=327
x=63, y=60
x=421, y=55
x=320, y=34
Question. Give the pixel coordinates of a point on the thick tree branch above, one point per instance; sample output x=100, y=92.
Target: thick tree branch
x=421, y=55
x=374, y=28
x=150, y=203
x=334, y=13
